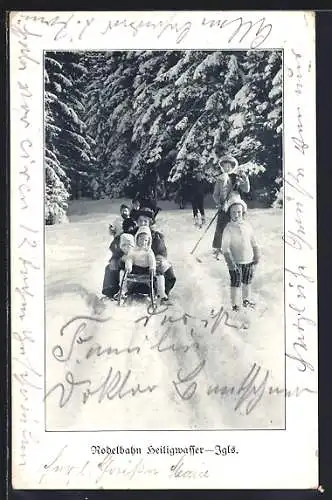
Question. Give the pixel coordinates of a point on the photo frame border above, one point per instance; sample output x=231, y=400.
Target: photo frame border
x=40, y=491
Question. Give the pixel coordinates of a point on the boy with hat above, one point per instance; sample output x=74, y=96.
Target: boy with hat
x=241, y=252
x=115, y=229
x=229, y=181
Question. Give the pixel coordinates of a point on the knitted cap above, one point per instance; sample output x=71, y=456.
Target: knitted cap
x=127, y=239
x=144, y=230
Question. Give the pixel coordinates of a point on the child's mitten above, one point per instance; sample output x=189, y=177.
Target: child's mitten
x=128, y=266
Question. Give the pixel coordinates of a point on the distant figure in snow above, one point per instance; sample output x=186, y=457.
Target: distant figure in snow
x=230, y=180
x=241, y=252
x=196, y=192
x=115, y=228
x=94, y=187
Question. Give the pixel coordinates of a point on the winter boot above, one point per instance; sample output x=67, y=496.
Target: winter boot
x=196, y=221
x=248, y=304
x=218, y=254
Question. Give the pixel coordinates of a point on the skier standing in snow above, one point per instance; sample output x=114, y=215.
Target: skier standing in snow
x=197, y=192
x=229, y=181
x=94, y=187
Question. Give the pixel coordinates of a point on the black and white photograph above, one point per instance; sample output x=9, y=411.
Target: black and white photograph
x=164, y=217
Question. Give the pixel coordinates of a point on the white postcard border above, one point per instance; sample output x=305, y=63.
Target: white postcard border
x=267, y=459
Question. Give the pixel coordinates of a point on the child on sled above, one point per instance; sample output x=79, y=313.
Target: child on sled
x=139, y=258
x=115, y=229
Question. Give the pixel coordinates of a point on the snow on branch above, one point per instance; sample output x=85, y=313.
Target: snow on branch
x=211, y=60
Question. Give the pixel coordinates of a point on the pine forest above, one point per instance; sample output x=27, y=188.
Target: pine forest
x=121, y=122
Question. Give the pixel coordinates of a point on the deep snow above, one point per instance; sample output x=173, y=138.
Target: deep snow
x=76, y=254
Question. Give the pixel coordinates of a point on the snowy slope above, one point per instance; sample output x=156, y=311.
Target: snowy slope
x=211, y=362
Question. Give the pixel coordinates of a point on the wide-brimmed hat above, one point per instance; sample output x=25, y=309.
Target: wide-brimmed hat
x=229, y=159
x=235, y=199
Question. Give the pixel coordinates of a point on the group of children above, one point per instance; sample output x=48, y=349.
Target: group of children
x=138, y=249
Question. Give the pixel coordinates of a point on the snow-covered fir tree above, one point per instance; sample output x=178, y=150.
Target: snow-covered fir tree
x=170, y=111
x=141, y=120
x=68, y=152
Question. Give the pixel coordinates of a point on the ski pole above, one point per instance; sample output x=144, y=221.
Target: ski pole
x=206, y=230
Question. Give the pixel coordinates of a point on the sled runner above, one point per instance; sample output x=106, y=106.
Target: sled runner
x=137, y=284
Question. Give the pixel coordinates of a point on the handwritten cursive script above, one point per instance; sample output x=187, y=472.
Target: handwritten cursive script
x=115, y=385
x=253, y=388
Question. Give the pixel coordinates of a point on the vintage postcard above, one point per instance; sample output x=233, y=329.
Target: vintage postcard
x=163, y=250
